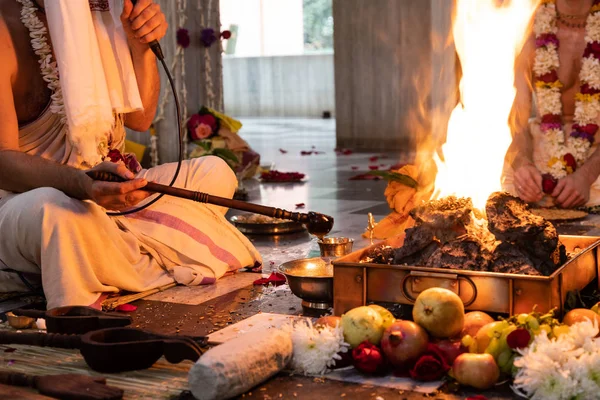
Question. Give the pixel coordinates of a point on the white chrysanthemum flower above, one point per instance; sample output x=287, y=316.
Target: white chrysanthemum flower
x=587, y=112
x=590, y=72
x=549, y=101
x=546, y=60
x=561, y=368
x=545, y=21
x=593, y=28
x=315, y=350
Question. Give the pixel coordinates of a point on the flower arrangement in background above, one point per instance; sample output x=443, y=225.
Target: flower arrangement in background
x=216, y=134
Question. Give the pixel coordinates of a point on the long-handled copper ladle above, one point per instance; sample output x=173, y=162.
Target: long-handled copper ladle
x=316, y=223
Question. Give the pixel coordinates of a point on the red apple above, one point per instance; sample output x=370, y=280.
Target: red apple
x=477, y=370
x=451, y=348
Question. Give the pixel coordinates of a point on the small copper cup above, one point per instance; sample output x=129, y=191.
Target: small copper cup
x=335, y=246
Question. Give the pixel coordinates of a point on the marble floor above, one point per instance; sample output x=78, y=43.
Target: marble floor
x=327, y=189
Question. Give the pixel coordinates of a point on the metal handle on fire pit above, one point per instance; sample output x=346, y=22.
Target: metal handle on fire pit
x=418, y=274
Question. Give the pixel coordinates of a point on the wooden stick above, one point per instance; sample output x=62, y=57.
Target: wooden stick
x=207, y=198
x=111, y=304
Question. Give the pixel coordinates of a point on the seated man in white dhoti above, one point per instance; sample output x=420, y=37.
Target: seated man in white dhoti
x=74, y=74
x=554, y=158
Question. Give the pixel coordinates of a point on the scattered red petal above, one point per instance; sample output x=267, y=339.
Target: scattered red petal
x=305, y=153
x=126, y=308
x=374, y=158
x=518, y=339
x=282, y=151
x=373, y=167
x=300, y=205
x=271, y=262
x=354, y=168
x=344, y=152
x=319, y=152
x=275, y=278
x=477, y=397
x=277, y=176
x=10, y=350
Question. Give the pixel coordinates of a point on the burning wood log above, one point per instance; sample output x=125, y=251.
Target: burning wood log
x=449, y=234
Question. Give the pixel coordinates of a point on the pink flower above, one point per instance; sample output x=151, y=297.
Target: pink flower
x=132, y=163
x=115, y=156
x=202, y=126
x=202, y=131
x=545, y=39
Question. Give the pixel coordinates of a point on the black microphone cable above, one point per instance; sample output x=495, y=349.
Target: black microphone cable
x=157, y=50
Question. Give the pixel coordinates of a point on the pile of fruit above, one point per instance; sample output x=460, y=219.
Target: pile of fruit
x=442, y=340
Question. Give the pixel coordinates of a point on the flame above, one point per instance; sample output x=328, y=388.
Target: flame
x=488, y=35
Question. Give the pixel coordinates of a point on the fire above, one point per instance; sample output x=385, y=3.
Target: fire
x=488, y=35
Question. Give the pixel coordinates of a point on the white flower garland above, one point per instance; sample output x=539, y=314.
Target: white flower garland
x=563, y=156
x=48, y=67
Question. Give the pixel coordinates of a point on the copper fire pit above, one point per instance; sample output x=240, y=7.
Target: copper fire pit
x=355, y=283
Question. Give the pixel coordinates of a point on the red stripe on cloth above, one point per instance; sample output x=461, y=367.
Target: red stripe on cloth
x=187, y=229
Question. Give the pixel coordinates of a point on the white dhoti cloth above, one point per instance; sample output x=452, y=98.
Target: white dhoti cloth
x=539, y=157
x=81, y=252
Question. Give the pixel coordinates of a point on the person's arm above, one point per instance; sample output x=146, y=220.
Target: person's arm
x=528, y=179
x=20, y=172
x=144, y=23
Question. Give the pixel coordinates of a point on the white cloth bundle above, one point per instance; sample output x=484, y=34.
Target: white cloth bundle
x=96, y=70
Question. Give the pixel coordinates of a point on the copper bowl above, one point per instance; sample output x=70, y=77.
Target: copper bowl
x=311, y=279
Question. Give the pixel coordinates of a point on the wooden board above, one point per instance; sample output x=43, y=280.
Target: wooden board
x=257, y=322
